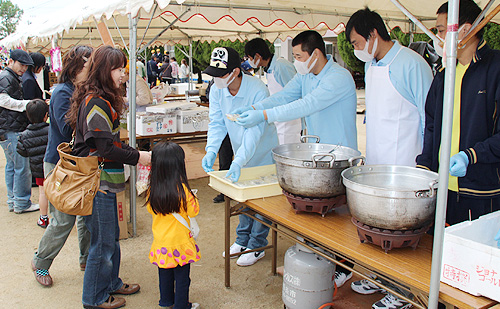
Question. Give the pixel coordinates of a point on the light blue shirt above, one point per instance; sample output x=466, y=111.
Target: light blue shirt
x=283, y=71
x=411, y=76
x=252, y=146
x=327, y=102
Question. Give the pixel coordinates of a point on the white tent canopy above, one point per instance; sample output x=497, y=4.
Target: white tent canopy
x=240, y=19
x=205, y=20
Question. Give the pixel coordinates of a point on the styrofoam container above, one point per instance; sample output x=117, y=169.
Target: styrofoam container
x=192, y=120
x=171, y=107
x=152, y=124
x=180, y=88
x=242, y=190
x=471, y=258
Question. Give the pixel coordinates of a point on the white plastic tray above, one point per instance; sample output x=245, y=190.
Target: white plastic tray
x=243, y=193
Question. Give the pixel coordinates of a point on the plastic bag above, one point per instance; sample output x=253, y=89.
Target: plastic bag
x=143, y=173
x=160, y=92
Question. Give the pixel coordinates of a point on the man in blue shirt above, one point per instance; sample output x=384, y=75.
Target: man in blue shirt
x=323, y=93
x=279, y=72
x=397, y=81
x=251, y=147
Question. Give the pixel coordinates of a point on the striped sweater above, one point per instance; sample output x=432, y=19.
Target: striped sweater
x=98, y=134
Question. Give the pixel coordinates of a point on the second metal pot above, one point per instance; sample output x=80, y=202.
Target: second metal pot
x=313, y=169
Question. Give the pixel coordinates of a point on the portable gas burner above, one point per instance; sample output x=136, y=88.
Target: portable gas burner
x=318, y=205
x=389, y=239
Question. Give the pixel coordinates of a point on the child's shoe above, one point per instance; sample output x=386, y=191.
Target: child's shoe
x=43, y=221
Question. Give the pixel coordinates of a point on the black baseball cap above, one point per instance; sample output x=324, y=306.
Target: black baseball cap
x=223, y=60
x=21, y=56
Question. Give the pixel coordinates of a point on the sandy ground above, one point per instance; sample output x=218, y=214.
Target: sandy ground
x=252, y=287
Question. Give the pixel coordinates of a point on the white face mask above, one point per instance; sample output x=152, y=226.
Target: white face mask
x=437, y=47
x=304, y=67
x=253, y=64
x=441, y=51
x=364, y=55
x=222, y=83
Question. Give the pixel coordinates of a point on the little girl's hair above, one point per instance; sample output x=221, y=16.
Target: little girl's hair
x=168, y=175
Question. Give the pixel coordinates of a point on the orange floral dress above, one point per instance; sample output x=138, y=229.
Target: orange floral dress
x=173, y=243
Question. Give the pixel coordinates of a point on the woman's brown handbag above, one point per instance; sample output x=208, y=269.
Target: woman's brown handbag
x=73, y=183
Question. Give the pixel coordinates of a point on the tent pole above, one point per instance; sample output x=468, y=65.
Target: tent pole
x=190, y=64
x=166, y=28
x=132, y=24
x=444, y=159
x=121, y=36
x=149, y=23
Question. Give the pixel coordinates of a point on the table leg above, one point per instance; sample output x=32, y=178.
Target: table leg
x=227, y=226
x=275, y=249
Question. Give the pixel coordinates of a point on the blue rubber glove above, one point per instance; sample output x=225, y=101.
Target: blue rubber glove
x=208, y=161
x=458, y=164
x=241, y=110
x=250, y=118
x=497, y=238
x=234, y=172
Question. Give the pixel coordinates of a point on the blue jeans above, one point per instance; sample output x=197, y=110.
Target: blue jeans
x=17, y=174
x=180, y=276
x=250, y=233
x=103, y=263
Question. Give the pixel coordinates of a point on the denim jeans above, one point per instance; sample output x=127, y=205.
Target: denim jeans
x=103, y=264
x=17, y=174
x=180, y=276
x=250, y=233
x=57, y=233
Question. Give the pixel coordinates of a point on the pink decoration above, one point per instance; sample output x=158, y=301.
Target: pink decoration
x=55, y=57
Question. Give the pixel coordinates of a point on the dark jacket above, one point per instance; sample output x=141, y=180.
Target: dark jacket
x=166, y=71
x=479, y=125
x=152, y=68
x=59, y=129
x=11, y=121
x=32, y=144
x=31, y=89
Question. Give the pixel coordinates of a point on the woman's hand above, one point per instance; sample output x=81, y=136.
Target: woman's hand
x=145, y=158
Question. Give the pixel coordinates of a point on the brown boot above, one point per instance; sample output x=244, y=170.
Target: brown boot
x=111, y=303
x=128, y=289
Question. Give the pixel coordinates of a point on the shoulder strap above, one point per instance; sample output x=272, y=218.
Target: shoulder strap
x=181, y=220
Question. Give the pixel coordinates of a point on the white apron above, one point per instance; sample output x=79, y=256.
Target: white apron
x=288, y=132
x=392, y=123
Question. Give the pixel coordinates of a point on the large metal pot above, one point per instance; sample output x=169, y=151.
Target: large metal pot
x=391, y=197
x=313, y=169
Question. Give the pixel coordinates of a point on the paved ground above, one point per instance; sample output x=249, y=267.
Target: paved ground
x=252, y=287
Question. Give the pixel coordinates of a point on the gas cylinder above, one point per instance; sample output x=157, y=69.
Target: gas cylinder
x=308, y=279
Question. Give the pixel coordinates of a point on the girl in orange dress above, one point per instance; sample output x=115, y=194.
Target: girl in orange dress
x=174, y=248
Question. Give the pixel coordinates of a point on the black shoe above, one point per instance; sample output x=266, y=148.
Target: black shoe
x=219, y=198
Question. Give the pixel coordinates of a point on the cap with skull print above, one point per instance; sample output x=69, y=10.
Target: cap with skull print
x=223, y=60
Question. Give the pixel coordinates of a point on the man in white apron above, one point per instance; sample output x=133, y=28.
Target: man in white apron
x=322, y=93
x=397, y=81
x=279, y=72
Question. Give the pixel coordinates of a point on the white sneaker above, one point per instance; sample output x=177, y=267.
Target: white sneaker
x=391, y=302
x=365, y=287
x=249, y=259
x=341, y=278
x=33, y=207
x=195, y=306
x=235, y=248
